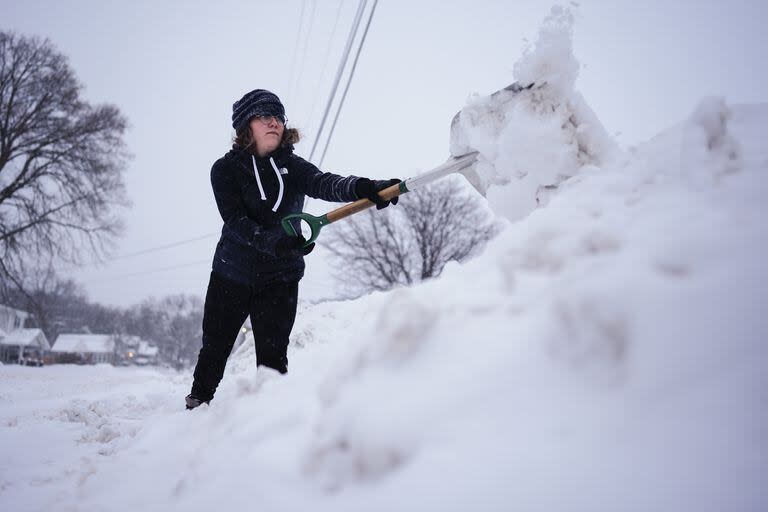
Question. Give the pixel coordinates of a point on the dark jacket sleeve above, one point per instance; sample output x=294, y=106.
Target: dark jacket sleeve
x=322, y=185
x=237, y=225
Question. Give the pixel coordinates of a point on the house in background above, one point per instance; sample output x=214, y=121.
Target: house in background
x=126, y=349
x=147, y=354
x=12, y=319
x=132, y=350
x=24, y=346
x=84, y=348
x=31, y=347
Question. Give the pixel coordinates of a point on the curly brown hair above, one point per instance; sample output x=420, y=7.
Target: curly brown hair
x=244, y=139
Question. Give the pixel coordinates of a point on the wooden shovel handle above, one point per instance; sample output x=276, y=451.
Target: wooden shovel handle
x=317, y=223
x=363, y=204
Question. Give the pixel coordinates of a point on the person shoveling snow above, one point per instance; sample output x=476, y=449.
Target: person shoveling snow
x=256, y=268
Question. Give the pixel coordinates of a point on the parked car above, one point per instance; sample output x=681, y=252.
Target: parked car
x=31, y=358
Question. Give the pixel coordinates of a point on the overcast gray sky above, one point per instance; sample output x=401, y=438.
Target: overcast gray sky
x=174, y=68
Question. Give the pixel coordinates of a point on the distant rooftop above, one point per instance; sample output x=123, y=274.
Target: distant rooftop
x=26, y=337
x=145, y=349
x=82, y=343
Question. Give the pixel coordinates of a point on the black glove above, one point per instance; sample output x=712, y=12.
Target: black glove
x=369, y=189
x=292, y=247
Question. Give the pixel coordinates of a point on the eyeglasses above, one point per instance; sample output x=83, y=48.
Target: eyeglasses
x=267, y=120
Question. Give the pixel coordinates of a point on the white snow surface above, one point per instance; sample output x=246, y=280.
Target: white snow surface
x=607, y=351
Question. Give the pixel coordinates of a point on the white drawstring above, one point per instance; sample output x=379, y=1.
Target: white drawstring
x=258, y=180
x=280, y=179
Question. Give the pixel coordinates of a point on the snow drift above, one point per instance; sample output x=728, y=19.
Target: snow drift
x=605, y=352
x=531, y=141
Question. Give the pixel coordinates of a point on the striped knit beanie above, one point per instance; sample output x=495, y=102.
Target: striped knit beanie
x=258, y=102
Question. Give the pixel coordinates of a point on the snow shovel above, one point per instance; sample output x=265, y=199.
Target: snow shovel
x=462, y=165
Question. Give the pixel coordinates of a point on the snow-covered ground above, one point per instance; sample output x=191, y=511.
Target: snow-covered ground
x=607, y=351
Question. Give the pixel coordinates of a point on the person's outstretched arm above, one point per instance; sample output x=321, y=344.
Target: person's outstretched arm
x=332, y=187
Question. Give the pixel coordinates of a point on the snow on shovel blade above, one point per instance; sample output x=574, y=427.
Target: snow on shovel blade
x=488, y=111
x=493, y=105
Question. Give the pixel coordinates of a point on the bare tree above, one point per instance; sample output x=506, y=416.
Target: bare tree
x=412, y=241
x=174, y=323
x=60, y=305
x=61, y=163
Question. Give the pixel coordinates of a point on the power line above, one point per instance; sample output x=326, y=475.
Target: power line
x=325, y=59
x=296, y=49
x=154, y=271
x=340, y=71
x=306, y=44
x=154, y=249
x=138, y=253
x=349, y=82
x=163, y=247
x=342, y=65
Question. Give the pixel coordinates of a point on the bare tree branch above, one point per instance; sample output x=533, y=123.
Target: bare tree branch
x=411, y=242
x=61, y=162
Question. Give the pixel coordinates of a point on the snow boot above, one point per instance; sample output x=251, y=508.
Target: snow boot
x=193, y=402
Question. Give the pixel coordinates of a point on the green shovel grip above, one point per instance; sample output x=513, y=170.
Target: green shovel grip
x=315, y=225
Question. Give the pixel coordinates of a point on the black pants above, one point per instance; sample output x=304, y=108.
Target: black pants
x=227, y=304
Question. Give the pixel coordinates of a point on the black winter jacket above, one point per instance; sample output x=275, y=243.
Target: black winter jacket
x=253, y=194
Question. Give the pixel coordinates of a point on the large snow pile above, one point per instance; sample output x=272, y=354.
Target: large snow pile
x=532, y=140
x=605, y=352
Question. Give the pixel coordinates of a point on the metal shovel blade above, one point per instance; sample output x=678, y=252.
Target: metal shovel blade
x=463, y=164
